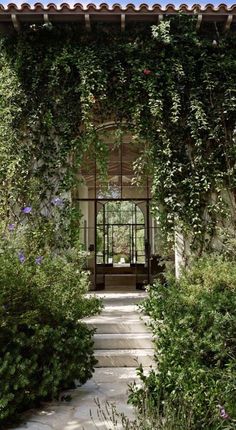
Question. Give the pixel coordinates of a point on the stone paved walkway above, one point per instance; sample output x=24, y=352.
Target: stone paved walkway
x=109, y=384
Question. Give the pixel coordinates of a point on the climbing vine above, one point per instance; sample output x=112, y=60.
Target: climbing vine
x=174, y=88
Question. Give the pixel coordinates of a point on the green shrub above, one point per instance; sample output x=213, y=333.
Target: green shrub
x=44, y=346
x=194, y=320
x=38, y=360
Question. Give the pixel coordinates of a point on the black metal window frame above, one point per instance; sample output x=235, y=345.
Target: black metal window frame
x=107, y=229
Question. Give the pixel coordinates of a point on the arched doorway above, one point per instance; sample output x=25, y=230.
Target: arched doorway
x=115, y=225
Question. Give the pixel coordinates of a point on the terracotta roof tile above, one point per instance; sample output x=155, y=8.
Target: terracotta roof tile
x=169, y=8
x=13, y=15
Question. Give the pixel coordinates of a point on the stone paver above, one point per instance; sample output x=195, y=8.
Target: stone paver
x=108, y=385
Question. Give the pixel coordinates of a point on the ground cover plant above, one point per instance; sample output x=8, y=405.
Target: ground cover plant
x=193, y=319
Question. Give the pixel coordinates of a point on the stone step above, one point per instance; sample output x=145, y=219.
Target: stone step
x=109, y=324
x=120, y=310
x=118, y=297
x=129, y=323
x=109, y=317
x=123, y=341
x=115, y=298
x=124, y=358
x=118, y=286
x=122, y=294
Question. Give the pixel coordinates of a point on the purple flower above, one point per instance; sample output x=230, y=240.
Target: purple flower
x=21, y=257
x=223, y=414
x=38, y=260
x=27, y=209
x=56, y=201
x=11, y=227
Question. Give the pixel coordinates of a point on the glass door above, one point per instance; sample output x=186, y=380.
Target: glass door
x=121, y=242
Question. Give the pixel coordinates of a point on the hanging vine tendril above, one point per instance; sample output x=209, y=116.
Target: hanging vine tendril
x=171, y=85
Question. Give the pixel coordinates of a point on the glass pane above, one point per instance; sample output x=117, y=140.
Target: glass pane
x=100, y=245
x=140, y=244
x=121, y=244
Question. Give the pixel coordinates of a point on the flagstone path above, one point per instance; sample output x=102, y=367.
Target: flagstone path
x=122, y=341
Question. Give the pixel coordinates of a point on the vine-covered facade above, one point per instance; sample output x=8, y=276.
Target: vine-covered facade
x=168, y=90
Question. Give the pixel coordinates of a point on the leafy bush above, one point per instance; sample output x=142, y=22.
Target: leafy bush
x=44, y=346
x=194, y=320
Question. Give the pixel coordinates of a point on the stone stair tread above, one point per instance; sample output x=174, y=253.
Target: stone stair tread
x=129, y=306
x=117, y=352
x=122, y=294
x=109, y=319
x=115, y=316
x=123, y=341
x=124, y=358
x=123, y=336
x=116, y=326
x=116, y=319
x=121, y=326
x=113, y=329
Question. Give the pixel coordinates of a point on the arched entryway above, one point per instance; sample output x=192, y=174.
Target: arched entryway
x=116, y=225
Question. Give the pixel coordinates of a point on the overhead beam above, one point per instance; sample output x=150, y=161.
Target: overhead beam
x=87, y=22
x=122, y=17
x=228, y=22
x=46, y=18
x=199, y=21
x=15, y=22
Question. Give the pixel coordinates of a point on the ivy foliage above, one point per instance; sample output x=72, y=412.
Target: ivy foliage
x=173, y=88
